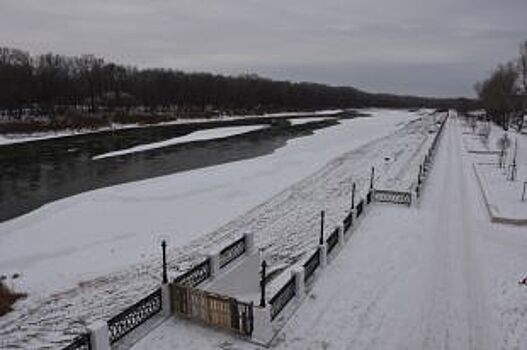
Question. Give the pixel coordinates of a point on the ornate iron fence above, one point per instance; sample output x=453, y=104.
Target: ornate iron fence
x=134, y=316
x=311, y=265
x=231, y=252
x=393, y=197
x=81, y=342
x=332, y=240
x=194, y=276
x=348, y=221
x=243, y=320
x=282, y=297
x=360, y=208
x=369, y=197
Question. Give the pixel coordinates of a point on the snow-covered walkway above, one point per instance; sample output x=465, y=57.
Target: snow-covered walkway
x=436, y=276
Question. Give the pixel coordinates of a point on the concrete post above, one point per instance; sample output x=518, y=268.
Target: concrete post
x=341, y=235
x=300, y=287
x=263, y=330
x=323, y=255
x=214, y=259
x=166, y=301
x=249, y=243
x=99, y=336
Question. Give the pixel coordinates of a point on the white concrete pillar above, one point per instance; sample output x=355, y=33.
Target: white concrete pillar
x=323, y=255
x=249, y=243
x=300, y=287
x=166, y=301
x=341, y=235
x=99, y=336
x=263, y=330
x=214, y=259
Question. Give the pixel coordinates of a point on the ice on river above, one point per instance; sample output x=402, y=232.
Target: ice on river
x=200, y=135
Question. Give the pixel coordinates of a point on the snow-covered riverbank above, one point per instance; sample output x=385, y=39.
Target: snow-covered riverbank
x=88, y=235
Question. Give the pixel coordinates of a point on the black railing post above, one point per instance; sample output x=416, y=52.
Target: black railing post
x=420, y=174
x=322, y=227
x=164, y=249
x=353, y=196
x=262, y=284
x=372, y=176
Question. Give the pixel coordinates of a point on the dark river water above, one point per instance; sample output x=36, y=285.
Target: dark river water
x=38, y=172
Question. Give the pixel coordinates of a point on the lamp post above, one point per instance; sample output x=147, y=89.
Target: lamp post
x=262, y=284
x=322, y=227
x=353, y=196
x=372, y=176
x=164, y=249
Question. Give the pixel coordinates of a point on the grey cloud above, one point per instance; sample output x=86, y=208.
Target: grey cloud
x=407, y=46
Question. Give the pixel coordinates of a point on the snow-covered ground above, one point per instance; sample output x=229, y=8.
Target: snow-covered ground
x=502, y=196
x=200, y=135
x=17, y=138
x=436, y=276
x=97, y=232
x=105, y=230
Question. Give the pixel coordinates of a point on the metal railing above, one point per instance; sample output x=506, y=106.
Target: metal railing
x=332, y=240
x=360, y=208
x=282, y=297
x=369, y=197
x=134, y=316
x=397, y=197
x=348, y=221
x=311, y=265
x=81, y=342
x=194, y=276
x=232, y=251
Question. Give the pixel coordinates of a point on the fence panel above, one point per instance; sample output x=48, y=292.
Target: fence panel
x=231, y=252
x=81, y=342
x=332, y=240
x=213, y=309
x=242, y=320
x=393, y=197
x=360, y=208
x=195, y=276
x=311, y=265
x=348, y=221
x=134, y=316
x=282, y=297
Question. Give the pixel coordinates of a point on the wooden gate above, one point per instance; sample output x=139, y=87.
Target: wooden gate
x=212, y=309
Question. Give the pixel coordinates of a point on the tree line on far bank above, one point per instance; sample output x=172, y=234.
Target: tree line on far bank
x=52, y=86
x=503, y=95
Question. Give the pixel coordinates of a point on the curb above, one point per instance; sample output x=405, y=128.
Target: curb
x=494, y=217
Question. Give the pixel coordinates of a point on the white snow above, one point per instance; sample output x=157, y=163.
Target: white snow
x=436, y=276
x=97, y=232
x=200, y=135
x=297, y=121
x=503, y=197
x=202, y=210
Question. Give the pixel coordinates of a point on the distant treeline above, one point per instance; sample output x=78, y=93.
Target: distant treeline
x=503, y=95
x=53, y=85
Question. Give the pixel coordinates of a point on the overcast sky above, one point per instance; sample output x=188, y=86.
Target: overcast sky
x=419, y=47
